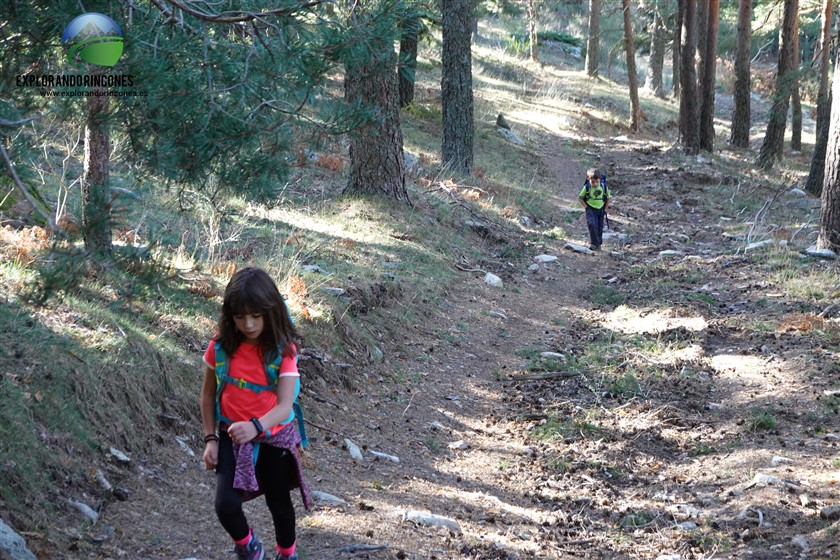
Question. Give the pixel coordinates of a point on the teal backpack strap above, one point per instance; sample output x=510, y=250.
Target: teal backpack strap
x=304, y=441
x=221, y=377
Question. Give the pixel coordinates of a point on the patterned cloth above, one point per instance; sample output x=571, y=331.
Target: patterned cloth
x=245, y=455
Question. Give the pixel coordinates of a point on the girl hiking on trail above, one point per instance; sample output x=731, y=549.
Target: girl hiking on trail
x=595, y=197
x=250, y=384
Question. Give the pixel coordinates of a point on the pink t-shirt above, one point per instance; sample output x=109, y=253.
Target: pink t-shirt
x=247, y=363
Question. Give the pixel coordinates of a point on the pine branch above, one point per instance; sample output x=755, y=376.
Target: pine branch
x=237, y=16
x=12, y=124
x=22, y=188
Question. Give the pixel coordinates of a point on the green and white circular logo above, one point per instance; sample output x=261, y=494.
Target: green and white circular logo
x=94, y=38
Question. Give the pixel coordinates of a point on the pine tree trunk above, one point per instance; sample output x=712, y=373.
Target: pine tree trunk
x=376, y=149
x=630, y=51
x=700, y=20
x=816, y=173
x=409, y=30
x=656, y=60
x=740, y=132
x=707, y=99
x=689, y=132
x=676, y=52
x=795, y=100
x=773, y=145
x=532, y=29
x=456, y=86
x=593, y=42
x=96, y=195
x=829, y=235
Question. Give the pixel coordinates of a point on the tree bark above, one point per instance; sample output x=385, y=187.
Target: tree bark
x=532, y=29
x=656, y=60
x=593, y=42
x=630, y=51
x=817, y=171
x=795, y=99
x=707, y=88
x=409, y=30
x=376, y=149
x=689, y=132
x=676, y=53
x=456, y=86
x=96, y=195
x=829, y=235
x=740, y=132
x=700, y=20
x=773, y=145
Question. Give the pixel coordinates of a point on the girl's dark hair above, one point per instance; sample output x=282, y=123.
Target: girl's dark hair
x=251, y=290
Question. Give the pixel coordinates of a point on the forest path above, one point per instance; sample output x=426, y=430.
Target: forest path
x=649, y=451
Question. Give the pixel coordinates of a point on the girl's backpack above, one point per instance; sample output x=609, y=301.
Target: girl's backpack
x=272, y=378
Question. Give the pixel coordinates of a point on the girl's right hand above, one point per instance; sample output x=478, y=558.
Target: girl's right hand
x=211, y=455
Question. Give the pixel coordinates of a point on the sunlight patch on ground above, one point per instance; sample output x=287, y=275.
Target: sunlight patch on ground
x=746, y=366
x=631, y=321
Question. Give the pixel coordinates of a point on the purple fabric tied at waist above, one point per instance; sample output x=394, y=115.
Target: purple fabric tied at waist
x=245, y=476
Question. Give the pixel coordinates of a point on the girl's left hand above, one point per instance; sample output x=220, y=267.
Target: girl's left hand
x=242, y=432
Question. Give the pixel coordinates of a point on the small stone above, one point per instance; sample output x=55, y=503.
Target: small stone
x=85, y=510
x=354, y=450
x=119, y=455
x=579, y=248
x=183, y=445
x=13, y=544
x=460, y=445
x=820, y=253
x=801, y=542
x=428, y=519
x=493, y=281
x=510, y=136
x=327, y=499
x=381, y=455
x=671, y=253
x=545, y=258
x=770, y=480
x=552, y=356
x=779, y=460
x=830, y=512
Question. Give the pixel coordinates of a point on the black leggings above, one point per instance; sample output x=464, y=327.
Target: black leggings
x=275, y=468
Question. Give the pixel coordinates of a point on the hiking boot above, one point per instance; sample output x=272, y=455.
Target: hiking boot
x=251, y=551
x=593, y=247
x=281, y=557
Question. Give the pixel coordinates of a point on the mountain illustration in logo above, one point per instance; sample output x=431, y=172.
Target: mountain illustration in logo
x=94, y=38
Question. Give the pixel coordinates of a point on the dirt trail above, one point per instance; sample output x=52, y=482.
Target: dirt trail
x=592, y=466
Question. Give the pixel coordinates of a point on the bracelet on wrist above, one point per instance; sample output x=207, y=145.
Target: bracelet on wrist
x=211, y=437
x=260, y=430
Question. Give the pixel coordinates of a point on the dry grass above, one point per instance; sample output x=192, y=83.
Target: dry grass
x=23, y=245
